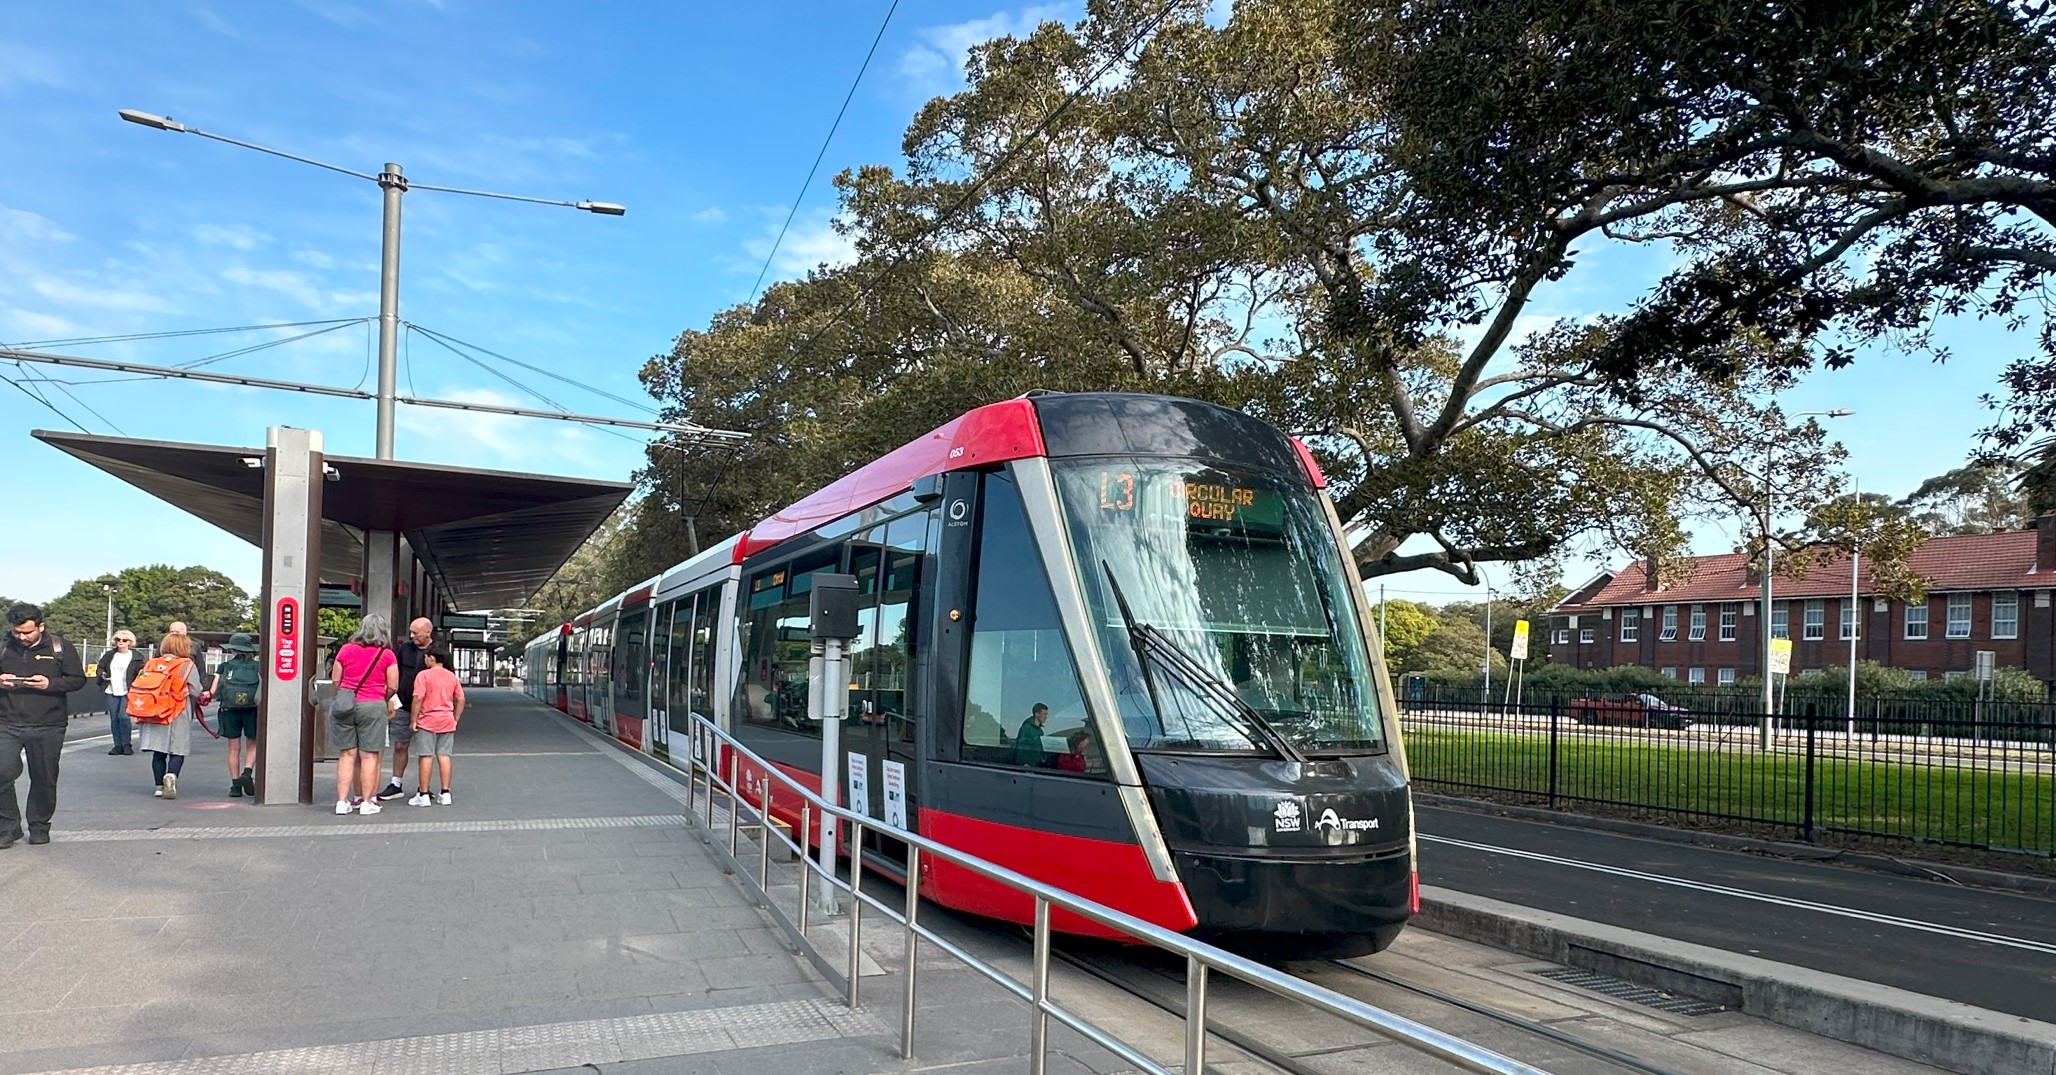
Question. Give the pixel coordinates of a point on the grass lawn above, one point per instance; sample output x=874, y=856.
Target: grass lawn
x=2010, y=809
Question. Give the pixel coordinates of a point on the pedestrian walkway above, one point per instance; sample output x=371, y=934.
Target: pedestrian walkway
x=562, y=912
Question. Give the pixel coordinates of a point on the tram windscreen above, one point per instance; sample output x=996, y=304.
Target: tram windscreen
x=1239, y=577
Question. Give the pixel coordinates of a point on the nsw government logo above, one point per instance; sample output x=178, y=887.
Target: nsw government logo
x=1286, y=817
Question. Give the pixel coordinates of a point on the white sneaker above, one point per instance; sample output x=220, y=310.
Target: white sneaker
x=420, y=799
x=343, y=806
x=445, y=800
x=369, y=806
x=158, y=791
x=171, y=785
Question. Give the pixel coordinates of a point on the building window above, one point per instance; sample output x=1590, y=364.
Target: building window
x=1959, y=674
x=1725, y=677
x=2005, y=615
x=1695, y=675
x=1727, y=623
x=1916, y=621
x=1918, y=675
x=1562, y=637
x=1848, y=620
x=1780, y=620
x=1816, y=619
x=1670, y=625
x=1585, y=636
x=1958, y=625
x=1669, y=673
x=1631, y=624
x=1698, y=623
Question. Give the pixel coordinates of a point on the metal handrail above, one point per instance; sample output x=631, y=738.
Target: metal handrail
x=1200, y=958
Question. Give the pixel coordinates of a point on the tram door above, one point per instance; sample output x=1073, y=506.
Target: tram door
x=881, y=723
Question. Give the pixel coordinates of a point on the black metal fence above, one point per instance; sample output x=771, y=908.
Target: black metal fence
x=1981, y=777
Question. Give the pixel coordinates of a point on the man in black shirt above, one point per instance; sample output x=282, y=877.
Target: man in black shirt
x=37, y=670
x=400, y=727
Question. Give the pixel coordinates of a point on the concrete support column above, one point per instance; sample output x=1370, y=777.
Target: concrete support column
x=381, y=563
x=293, y=483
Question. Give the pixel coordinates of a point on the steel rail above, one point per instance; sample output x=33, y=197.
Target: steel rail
x=1417, y=1036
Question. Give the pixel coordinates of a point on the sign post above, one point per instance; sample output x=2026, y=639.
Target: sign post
x=832, y=621
x=1780, y=665
x=293, y=471
x=1517, y=653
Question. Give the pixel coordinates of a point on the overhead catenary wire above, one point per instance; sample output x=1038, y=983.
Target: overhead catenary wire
x=822, y=153
x=39, y=399
x=863, y=290
x=436, y=339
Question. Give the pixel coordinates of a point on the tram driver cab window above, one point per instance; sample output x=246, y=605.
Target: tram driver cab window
x=1022, y=707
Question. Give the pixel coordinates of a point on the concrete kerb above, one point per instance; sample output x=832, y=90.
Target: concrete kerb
x=1943, y=1033
x=1865, y=860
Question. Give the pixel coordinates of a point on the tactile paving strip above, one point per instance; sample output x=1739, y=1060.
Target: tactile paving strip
x=1622, y=989
x=542, y=1048
x=348, y=827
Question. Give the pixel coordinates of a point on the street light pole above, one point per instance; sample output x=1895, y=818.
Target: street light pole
x=393, y=182
x=1765, y=730
x=108, y=588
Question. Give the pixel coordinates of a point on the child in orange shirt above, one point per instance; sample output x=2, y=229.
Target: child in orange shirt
x=438, y=705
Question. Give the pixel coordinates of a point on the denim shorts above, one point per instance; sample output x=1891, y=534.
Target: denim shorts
x=436, y=743
x=364, y=728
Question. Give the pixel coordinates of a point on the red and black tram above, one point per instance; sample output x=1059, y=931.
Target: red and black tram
x=1114, y=642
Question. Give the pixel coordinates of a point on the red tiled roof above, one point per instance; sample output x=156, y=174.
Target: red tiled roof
x=1970, y=562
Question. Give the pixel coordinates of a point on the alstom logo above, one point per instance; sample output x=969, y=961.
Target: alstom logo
x=1329, y=820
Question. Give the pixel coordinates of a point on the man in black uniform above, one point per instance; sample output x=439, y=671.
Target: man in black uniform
x=37, y=669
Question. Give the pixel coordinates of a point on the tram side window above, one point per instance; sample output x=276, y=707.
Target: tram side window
x=863, y=677
x=629, y=665
x=677, y=642
x=900, y=577
x=1022, y=703
x=700, y=689
x=776, y=643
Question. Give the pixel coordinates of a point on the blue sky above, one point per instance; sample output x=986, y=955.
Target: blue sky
x=700, y=118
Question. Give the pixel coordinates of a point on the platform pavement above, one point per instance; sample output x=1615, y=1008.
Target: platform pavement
x=561, y=913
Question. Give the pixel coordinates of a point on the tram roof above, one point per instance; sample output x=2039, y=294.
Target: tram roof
x=490, y=538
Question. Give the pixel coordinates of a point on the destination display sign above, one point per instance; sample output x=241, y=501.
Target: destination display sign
x=1199, y=499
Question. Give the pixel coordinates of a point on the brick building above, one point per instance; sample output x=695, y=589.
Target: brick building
x=1985, y=592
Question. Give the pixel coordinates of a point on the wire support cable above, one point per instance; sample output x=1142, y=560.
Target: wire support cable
x=453, y=343
x=822, y=153
x=438, y=341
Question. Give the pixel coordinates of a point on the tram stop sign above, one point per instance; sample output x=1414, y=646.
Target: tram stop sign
x=832, y=607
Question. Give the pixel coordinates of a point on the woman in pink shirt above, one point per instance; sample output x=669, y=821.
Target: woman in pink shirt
x=365, y=666
x=438, y=705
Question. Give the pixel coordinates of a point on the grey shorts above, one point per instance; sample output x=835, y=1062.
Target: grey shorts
x=400, y=727
x=363, y=729
x=437, y=743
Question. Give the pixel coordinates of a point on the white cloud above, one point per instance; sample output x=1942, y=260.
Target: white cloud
x=493, y=441
x=24, y=325
x=107, y=298
x=20, y=225
x=292, y=285
x=807, y=244
x=20, y=66
x=239, y=236
x=936, y=64
x=315, y=258
x=712, y=214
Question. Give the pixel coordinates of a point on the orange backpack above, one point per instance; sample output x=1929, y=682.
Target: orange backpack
x=157, y=694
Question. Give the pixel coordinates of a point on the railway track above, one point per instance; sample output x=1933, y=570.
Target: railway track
x=1162, y=987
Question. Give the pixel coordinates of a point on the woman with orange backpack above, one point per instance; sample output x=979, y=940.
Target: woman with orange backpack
x=162, y=698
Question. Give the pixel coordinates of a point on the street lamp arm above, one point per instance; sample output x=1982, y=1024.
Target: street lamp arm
x=165, y=123
x=602, y=208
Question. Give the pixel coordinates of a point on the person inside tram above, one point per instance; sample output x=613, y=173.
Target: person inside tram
x=1083, y=755
x=1028, y=748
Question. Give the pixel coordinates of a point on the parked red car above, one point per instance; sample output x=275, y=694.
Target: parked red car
x=1631, y=710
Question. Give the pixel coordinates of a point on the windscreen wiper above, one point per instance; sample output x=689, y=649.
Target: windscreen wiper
x=1146, y=639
